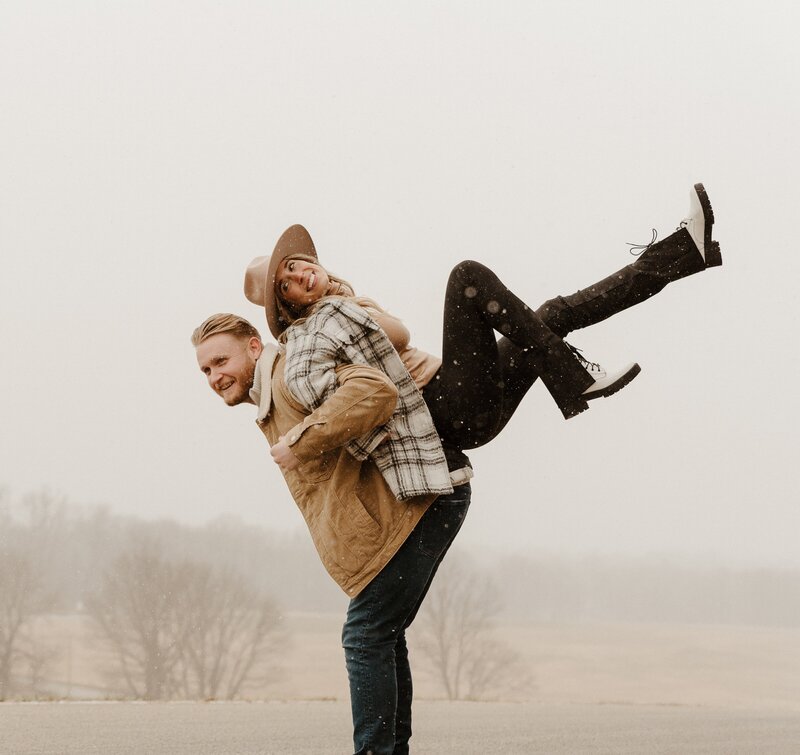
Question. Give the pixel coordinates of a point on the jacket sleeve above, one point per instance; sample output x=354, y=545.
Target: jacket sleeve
x=363, y=400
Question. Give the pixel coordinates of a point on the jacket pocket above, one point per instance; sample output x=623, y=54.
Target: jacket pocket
x=318, y=469
x=350, y=535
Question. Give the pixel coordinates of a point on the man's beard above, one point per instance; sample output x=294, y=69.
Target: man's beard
x=243, y=383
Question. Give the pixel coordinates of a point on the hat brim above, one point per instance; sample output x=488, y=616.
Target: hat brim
x=294, y=241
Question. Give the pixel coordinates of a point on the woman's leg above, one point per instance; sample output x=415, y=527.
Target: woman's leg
x=688, y=251
x=673, y=258
x=519, y=374
x=515, y=372
x=510, y=370
x=466, y=399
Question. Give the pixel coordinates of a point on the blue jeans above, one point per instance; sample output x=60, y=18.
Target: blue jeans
x=374, y=637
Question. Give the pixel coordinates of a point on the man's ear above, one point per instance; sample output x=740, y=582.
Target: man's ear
x=255, y=347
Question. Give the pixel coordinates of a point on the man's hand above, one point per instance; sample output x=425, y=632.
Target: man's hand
x=283, y=455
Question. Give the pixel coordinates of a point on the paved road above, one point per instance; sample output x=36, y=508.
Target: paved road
x=322, y=728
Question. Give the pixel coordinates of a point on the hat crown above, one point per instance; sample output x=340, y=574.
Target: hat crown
x=255, y=279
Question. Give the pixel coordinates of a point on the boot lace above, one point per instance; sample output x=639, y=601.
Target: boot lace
x=637, y=249
x=585, y=363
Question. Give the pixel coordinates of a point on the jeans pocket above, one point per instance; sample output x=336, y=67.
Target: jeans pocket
x=442, y=521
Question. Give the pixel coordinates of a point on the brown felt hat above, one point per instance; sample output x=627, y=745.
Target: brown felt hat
x=259, y=278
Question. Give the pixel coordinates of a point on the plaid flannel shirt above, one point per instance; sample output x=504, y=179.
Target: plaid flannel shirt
x=407, y=450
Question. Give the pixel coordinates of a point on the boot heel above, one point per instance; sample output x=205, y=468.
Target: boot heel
x=713, y=255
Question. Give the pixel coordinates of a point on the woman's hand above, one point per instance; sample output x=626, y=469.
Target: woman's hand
x=283, y=455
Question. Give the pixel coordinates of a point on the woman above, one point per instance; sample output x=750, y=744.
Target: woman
x=473, y=391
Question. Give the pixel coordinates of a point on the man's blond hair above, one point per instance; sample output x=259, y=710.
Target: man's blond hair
x=224, y=323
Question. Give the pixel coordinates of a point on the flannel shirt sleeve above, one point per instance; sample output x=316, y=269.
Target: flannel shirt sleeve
x=310, y=372
x=310, y=368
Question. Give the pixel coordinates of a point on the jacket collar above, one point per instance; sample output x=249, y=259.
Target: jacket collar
x=261, y=392
x=356, y=313
x=345, y=307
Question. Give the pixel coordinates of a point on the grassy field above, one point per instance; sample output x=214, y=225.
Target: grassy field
x=633, y=664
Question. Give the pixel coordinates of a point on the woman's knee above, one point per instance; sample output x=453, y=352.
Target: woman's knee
x=468, y=270
x=470, y=278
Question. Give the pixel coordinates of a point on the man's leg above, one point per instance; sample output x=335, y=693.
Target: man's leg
x=373, y=634
x=405, y=694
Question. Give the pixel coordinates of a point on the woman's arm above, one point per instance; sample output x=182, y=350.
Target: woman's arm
x=398, y=333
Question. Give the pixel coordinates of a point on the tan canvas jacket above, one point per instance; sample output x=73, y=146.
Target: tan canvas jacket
x=355, y=521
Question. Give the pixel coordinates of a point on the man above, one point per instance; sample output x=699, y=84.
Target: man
x=383, y=552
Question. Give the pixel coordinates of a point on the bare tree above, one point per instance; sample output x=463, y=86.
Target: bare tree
x=39, y=658
x=41, y=528
x=21, y=597
x=232, y=631
x=135, y=607
x=181, y=629
x=454, y=633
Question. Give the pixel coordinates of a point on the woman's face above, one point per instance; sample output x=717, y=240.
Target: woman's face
x=300, y=283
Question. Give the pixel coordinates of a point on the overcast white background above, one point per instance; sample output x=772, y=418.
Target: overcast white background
x=150, y=149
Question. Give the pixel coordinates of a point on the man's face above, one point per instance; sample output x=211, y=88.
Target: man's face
x=229, y=364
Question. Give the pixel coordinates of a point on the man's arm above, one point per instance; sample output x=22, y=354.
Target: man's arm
x=364, y=399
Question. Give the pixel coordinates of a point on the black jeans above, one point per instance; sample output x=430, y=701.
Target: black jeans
x=482, y=380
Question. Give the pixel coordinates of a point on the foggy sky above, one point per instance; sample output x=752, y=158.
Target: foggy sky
x=149, y=150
